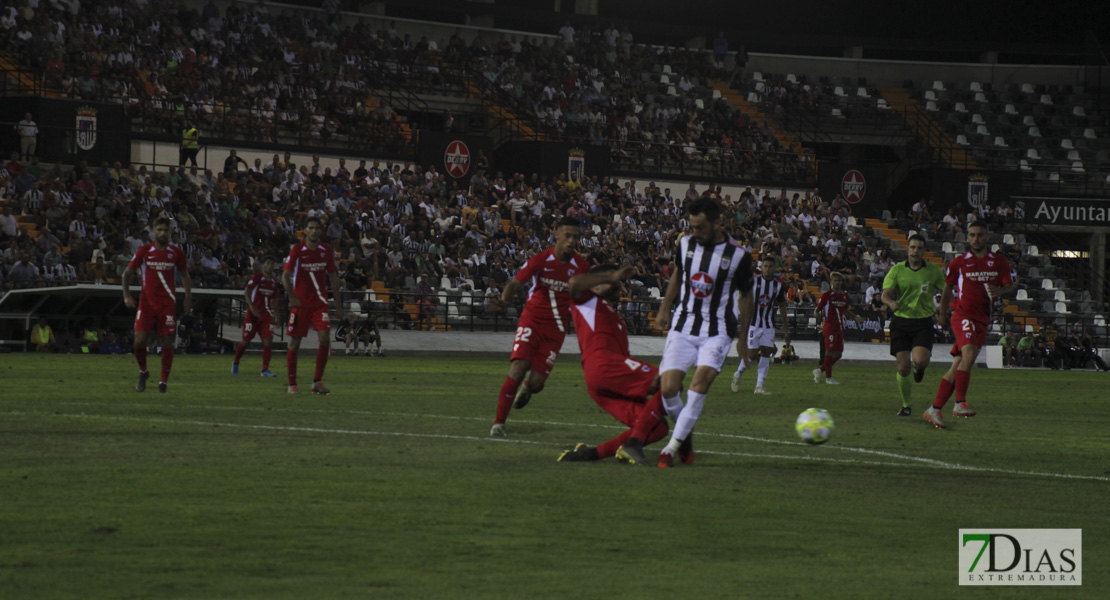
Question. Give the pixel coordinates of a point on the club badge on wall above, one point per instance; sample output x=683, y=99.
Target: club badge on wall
x=86, y=127
x=576, y=164
x=977, y=189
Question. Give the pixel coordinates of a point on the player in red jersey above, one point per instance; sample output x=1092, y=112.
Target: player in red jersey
x=259, y=321
x=976, y=278
x=835, y=305
x=544, y=321
x=305, y=276
x=624, y=387
x=157, y=315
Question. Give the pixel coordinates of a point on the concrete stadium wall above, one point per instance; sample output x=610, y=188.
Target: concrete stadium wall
x=894, y=72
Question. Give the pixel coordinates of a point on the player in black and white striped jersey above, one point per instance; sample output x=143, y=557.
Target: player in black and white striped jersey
x=769, y=292
x=710, y=267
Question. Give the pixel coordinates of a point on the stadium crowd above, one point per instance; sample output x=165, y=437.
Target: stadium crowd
x=258, y=75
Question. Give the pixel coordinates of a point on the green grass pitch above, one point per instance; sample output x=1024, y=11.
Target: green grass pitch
x=227, y=487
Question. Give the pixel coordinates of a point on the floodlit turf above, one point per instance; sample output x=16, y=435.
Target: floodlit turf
x=227, y=487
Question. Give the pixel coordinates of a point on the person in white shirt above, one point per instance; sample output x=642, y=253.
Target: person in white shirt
x=28, y=132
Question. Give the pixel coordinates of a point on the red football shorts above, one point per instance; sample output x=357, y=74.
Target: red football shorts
x=301, y=318
x=262, y=326
x=539, y=345
x=619, y=385
x=834, y=340
x=967, y=331
x=161, y=318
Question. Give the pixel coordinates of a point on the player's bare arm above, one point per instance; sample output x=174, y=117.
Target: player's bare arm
x=187, y=283
x=747, y=309
x=853, y=316
x=511, y=290
x=125, y=281
x=335, y=292
x=287, y=283
x=663, y=317
x=250, y=305
x=888, y=299
x=997, y=291
x=785, y=324
x=581, y=283
x=945, y=300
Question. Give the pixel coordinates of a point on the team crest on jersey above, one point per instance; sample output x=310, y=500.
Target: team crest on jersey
x=701, y=284
x=725, y=262
x=570, y=273
x=990, y=263
x=689, y=254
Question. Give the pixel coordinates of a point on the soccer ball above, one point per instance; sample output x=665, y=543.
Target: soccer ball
x=814, y=426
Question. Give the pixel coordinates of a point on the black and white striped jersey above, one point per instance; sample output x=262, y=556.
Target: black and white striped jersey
x=768, y=294
x=711, y=275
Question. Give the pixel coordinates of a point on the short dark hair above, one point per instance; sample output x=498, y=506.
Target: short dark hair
x=914, y=237
x=705, y=206
x=317, y=220
x=569, y=222
x=604, y=268
x=163, y=221
x=979, y=223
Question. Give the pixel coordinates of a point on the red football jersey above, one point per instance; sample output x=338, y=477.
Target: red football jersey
x=834, y=305
x=158, y=271
x=549, y=300
x=261, y=290
x=600, y=329
x=310, y=268
x=969, y=276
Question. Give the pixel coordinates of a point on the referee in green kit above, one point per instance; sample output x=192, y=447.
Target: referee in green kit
x=908, y=291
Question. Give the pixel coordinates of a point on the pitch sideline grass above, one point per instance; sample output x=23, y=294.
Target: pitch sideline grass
x=390, y=487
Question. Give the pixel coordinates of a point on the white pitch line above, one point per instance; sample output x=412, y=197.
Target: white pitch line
x=923, y=461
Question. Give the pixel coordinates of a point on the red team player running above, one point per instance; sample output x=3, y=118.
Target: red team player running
x=624, y=387
x=835, y=305
x=307, y=271
x=544, y=321
x=976, y=278
x=259, y=321
x=157, y=314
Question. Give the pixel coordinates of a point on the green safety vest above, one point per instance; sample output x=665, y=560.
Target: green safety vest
x=189, y=138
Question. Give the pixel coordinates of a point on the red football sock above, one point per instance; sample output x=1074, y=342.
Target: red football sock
x=505, y=399
x=242, y=347
x=658, y=433
x=944, y=392
x=167, y=362
x=267, y=352
x=963, y=378
x=321, y=362
x=648, y=418
x=291, y=365
x=610, y=448
x=827, y=367
x=140, y=357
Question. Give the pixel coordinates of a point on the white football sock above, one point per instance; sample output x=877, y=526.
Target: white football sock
x=673, y=405
x=684, y=424
x=764, y=366
x=743, y=367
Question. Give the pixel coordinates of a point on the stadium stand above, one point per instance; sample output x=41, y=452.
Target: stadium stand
x=255, y=77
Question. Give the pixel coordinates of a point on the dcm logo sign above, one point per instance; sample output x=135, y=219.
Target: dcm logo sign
x=1021, y=557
